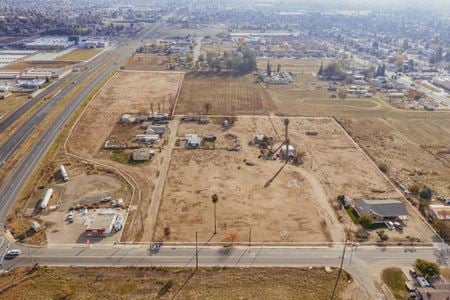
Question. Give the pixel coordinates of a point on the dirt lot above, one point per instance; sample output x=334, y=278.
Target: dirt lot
x=149, y=62
x=147, y=283
x=128, y=92
x=226, y=94
x=410, y=145
x=80, y=54
x=307, y=192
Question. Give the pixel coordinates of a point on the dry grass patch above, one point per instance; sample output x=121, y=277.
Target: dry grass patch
x=80, y=54
x=226, y=93
x=166, y=283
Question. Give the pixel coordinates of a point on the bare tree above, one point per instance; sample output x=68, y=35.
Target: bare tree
x=207, y=107
x=215, y=199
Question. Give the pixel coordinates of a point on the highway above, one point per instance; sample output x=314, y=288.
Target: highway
x=363, y=263
x=12, y=117
x=19, y=175
x=8, y=148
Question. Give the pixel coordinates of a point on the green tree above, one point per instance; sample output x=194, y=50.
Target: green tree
x=426, y=193
x=427, y=268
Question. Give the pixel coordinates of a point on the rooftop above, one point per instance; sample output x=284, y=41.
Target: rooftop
x=382, y=208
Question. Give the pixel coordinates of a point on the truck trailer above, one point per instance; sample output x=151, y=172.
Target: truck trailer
x=46, y=199
x=64, y=173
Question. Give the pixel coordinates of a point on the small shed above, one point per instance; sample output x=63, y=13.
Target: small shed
x=287, y=151
x=147, y=138
x=192, y=141
x=156, y=129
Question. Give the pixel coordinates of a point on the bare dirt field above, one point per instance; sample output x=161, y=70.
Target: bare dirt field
x=300, y=200
x=127, y=92
x=227, y=94
x=413, y=146
x=147, y=283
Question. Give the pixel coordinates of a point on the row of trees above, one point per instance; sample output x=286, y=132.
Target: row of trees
x=242, y=60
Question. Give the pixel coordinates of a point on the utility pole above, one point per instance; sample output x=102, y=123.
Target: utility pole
x=196, y=251
x=250, y=237
x=342, y=263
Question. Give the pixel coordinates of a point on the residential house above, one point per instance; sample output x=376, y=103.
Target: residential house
x=381, y=210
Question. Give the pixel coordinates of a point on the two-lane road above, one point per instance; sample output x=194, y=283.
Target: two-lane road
x=363, y=264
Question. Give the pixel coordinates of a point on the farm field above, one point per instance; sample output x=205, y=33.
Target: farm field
x=225, y=93
x=149, y=62
x=147, y=283
x=301, y=200
x=294, y=65
x=80, y=54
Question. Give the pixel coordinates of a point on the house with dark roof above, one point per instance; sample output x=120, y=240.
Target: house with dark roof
x=381, y=210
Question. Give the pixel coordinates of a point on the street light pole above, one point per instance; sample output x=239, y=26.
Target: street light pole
x=196, y=251
x=29, y=249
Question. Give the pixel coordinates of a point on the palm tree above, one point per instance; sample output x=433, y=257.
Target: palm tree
x=215, y=199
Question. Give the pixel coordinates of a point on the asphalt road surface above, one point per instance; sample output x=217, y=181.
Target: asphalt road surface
x=12, y=186
x=363, y=263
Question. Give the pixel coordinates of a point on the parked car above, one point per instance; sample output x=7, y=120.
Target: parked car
x=389, y=225
x=398, y=226
x=13, y=252
x=70, y=216
x=105, y=199
x=423, y=282
x=413, y=273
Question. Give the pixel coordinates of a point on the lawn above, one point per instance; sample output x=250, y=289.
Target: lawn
x=168, y=283
x=395, y=280
x=80, y=54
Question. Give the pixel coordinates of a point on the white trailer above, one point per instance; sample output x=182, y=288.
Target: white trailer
x=64, y=173
x=46, y=199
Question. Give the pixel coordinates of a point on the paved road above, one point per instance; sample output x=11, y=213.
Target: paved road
x=12, y=117
x=9, y=191
x=363, y=264
x=8, y=148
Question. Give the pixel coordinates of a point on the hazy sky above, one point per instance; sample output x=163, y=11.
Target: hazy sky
x=433, y=4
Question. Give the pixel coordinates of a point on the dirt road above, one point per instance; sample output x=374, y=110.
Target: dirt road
x=334, y=226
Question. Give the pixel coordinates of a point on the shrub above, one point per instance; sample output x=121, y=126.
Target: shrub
x=414, y=188
x=365, y=221
x=383, y=167
x=427, y=268
x=382, y=235
x=425, y=193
